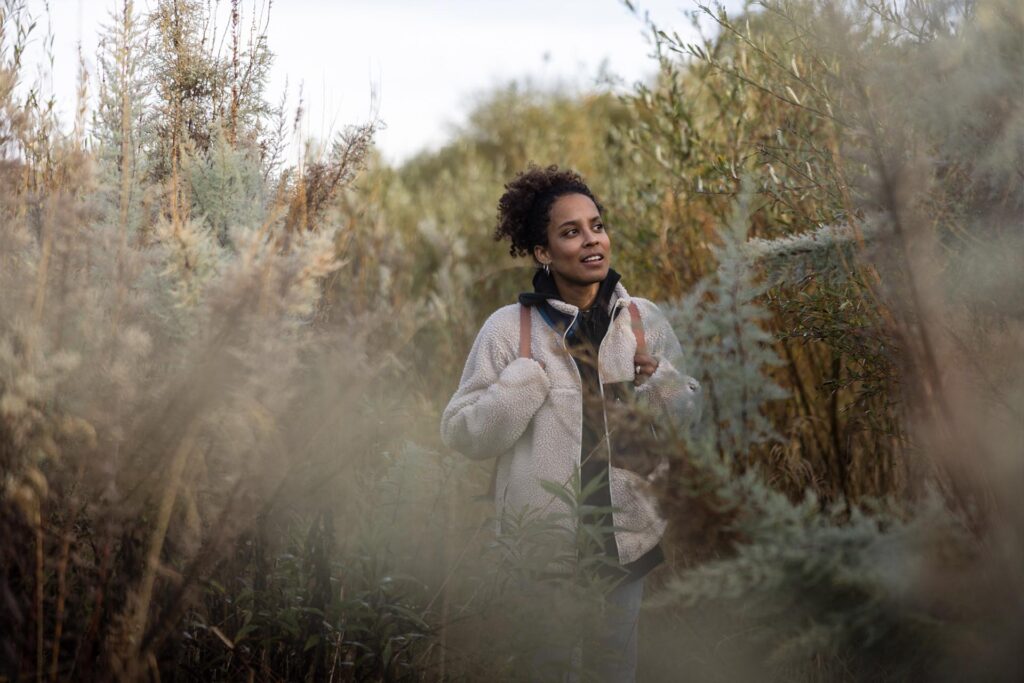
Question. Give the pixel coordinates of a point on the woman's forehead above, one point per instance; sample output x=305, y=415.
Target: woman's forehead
x=573, y=207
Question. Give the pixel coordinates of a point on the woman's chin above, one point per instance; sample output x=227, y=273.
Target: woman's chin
x=588, y=275
x=597, y=274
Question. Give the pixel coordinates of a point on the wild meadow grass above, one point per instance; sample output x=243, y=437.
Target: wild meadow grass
x=221, y=373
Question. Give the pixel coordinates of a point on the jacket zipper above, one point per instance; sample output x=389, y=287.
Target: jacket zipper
x=600, y=381
x=579, y=377
x=604, y=414
x=600, y=385
x=604, y=409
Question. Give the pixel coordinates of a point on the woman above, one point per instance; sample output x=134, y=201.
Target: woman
x=544, y=415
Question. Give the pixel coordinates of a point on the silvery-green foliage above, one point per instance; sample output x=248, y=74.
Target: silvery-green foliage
x=227, y=188
x=719, y=324
x=869, y=593
x=192, y=257
x=118, y=120
x=826, y=252
x=199, y=85
x=177, y=58
x=811, y=583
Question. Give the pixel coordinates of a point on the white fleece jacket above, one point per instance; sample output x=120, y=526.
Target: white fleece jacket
x=531, y=417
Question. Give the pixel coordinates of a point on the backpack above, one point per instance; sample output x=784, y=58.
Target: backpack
x=525, y=329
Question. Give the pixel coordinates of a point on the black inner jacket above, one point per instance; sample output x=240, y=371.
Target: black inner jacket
x=583, y=340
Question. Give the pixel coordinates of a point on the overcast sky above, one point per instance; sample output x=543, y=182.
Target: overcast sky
x=425, y=59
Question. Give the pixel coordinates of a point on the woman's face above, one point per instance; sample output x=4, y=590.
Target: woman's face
x=578, y=248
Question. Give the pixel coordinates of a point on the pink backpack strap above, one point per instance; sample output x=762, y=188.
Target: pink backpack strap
x=524, y=331
x=524, y=352
x=638, y=328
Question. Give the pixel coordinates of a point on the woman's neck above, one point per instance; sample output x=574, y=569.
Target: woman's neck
x=580, y=296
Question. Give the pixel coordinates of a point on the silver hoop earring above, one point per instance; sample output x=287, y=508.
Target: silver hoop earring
x=547, y=270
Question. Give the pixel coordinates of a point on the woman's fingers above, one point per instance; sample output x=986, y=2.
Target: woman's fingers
x=644, y=366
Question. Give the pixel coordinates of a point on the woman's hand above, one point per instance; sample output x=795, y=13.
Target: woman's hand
x=644, y=366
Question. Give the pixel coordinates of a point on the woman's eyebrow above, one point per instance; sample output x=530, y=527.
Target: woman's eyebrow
x=574, y=221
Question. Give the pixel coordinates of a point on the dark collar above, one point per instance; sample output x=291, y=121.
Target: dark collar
x=544, y=288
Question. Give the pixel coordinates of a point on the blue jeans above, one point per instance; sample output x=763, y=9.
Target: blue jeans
x=611, y=654
x=619, y=641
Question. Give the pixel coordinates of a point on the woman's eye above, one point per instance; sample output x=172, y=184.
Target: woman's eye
x=570, y=233
x=599, y=227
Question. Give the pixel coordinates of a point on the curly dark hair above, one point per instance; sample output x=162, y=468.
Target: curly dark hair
x=524, y=209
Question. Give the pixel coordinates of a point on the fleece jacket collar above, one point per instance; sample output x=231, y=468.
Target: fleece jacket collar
x=611, y=294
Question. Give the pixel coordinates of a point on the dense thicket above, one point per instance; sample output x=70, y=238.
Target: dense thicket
x=221, y=374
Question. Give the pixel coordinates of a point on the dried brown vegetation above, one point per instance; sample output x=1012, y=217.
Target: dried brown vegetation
x=220, y=375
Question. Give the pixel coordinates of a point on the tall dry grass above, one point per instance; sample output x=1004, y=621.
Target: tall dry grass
x=181, y=440
x=220, y=375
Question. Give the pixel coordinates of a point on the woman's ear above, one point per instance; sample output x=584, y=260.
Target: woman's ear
x=540, y=254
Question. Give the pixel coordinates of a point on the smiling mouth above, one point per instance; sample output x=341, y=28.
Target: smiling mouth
x=594, y=258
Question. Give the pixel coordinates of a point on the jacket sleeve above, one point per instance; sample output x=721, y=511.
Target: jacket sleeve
x=669, y=391
x=497, y=397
